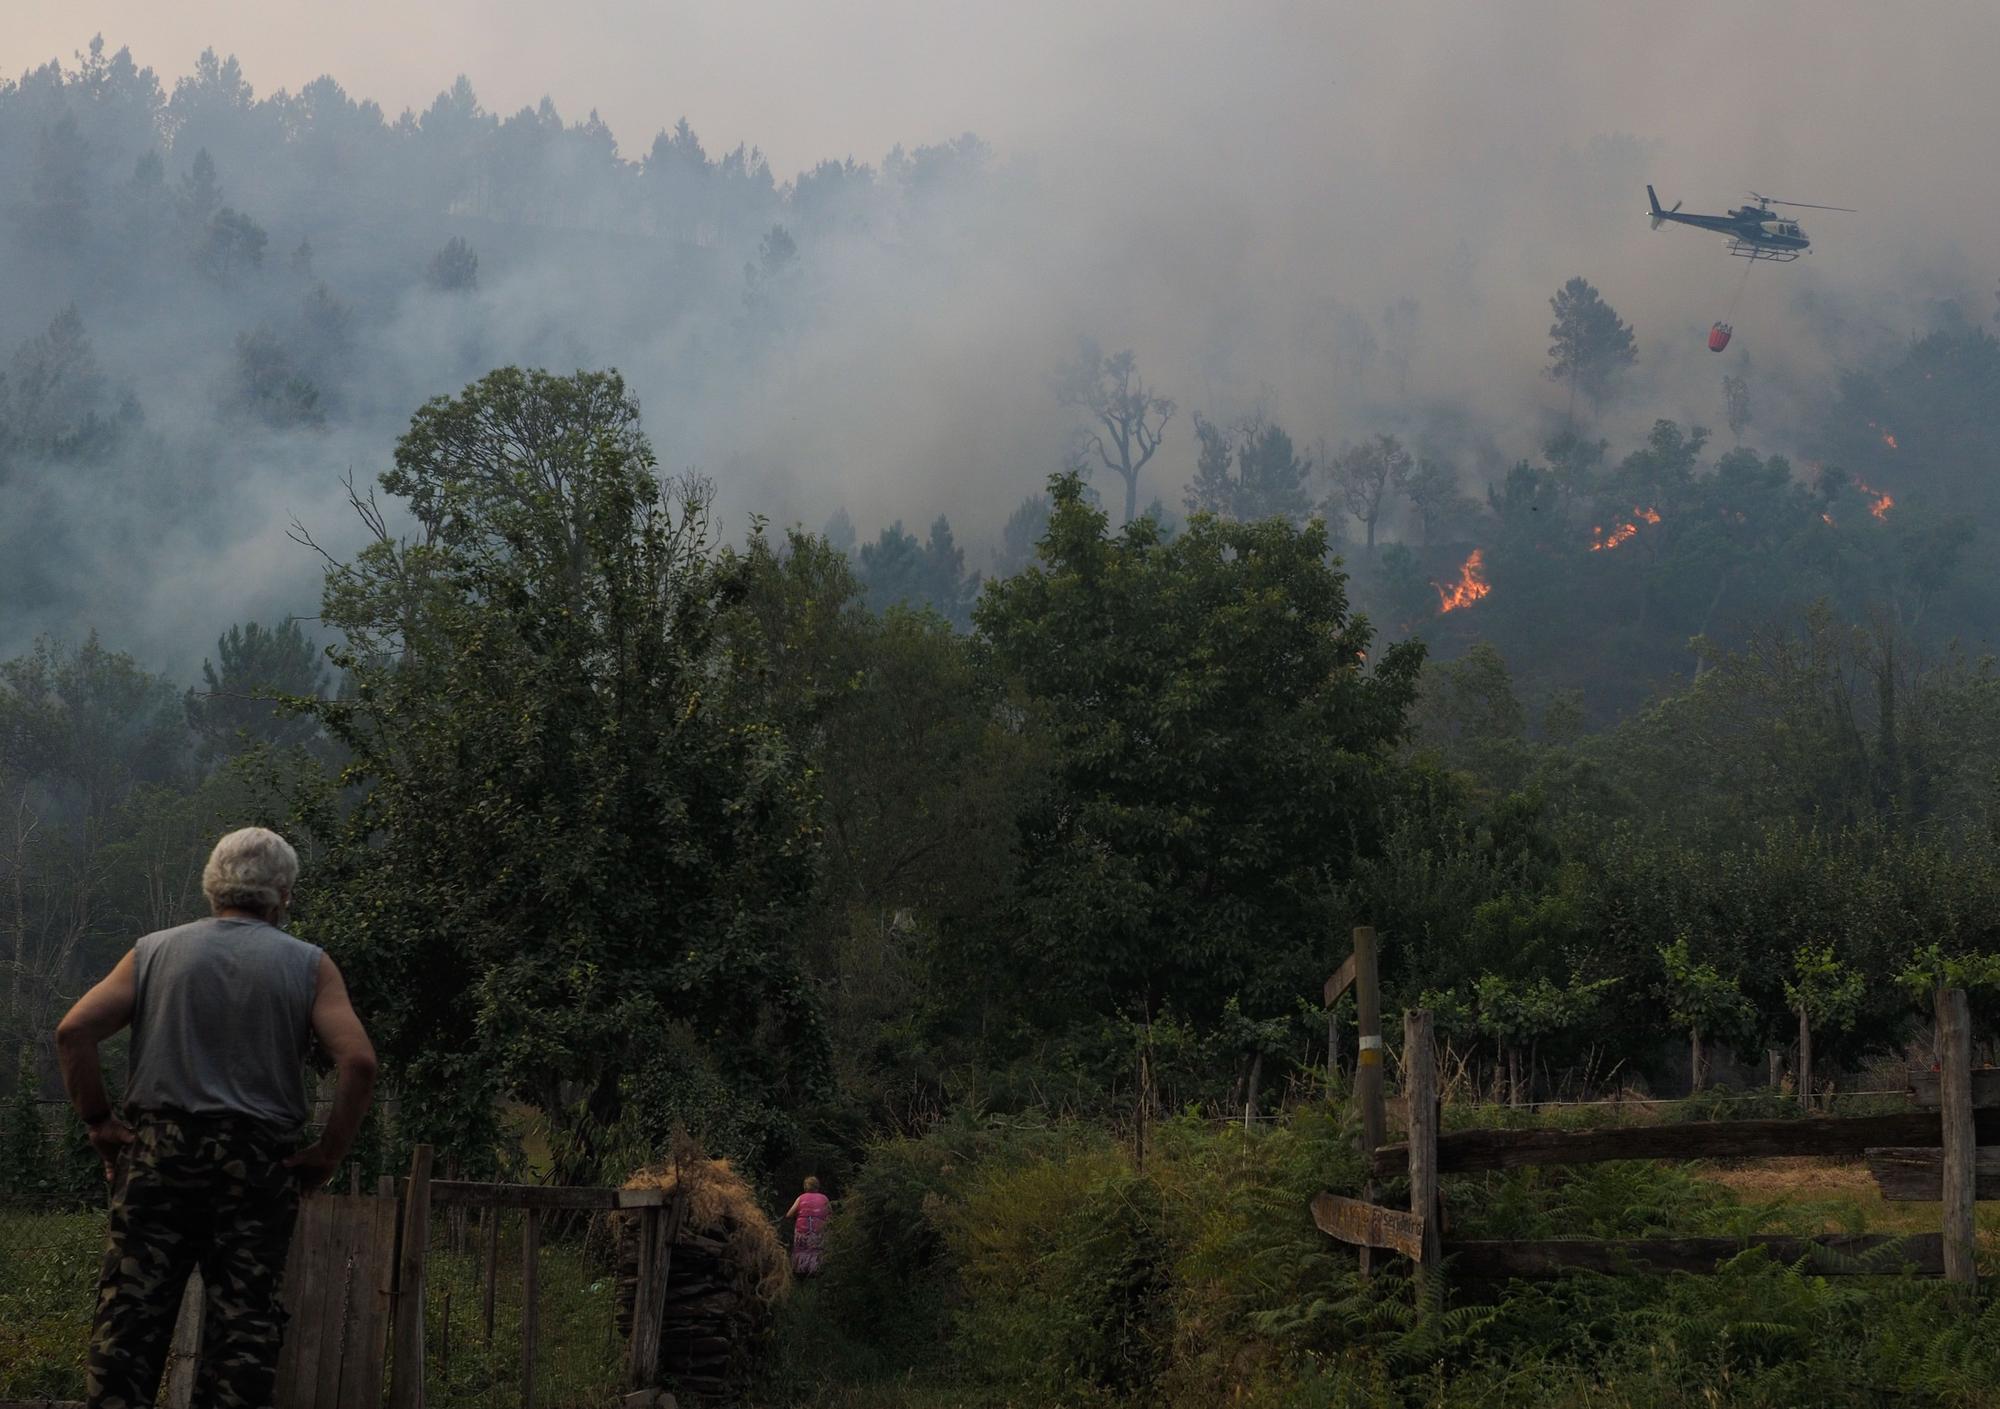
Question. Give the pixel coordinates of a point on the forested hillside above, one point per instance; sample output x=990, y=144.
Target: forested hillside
x=673, y=766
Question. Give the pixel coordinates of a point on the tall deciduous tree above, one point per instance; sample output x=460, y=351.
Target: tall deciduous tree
x=1703, y=1001
x=1362, y=475
x=1211, y=725
x=1589, y=344
x=1125, y=418
x=574, y=843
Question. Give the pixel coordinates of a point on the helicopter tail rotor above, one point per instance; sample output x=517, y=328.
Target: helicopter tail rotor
x=1659, y=216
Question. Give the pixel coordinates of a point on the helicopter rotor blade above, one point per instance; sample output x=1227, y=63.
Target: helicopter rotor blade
x=1800, y=205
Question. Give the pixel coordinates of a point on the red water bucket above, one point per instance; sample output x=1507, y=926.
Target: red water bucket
x=1718, y=337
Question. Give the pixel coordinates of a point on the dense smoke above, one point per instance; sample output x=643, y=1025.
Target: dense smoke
x=1344, y=219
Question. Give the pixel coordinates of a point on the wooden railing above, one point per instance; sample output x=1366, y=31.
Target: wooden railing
x=1931, y=1154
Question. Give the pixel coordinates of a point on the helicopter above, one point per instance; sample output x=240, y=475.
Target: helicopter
x=1755, y=232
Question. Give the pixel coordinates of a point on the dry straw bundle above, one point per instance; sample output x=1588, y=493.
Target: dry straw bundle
x=728, y=1270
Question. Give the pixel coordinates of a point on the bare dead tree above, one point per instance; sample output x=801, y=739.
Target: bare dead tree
x=1127, y=417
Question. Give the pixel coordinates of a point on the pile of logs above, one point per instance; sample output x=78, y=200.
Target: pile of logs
x=708, y=1324
x=725, y=1268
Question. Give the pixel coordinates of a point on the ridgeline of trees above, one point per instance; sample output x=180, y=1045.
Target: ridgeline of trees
x=609, y=816
x=1640, y=748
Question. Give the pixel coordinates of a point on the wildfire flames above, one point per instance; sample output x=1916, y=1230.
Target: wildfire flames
x=1600, y=540
x=1883, y=502
x=1887, y=438
x=1469, y=588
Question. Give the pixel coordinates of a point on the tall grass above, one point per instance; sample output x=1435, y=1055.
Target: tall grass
x=1044, y=1268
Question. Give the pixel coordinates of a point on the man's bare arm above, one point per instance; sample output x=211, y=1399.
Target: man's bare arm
x=97, y=1015
x=340, y=1032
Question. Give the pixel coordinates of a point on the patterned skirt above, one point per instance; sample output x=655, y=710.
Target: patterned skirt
x=808, y=1236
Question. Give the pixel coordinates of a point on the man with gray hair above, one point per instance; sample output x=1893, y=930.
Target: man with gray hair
x=207, y=1173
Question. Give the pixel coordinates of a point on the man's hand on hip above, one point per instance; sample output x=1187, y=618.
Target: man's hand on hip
x=313, y=1166
x=110, y=1137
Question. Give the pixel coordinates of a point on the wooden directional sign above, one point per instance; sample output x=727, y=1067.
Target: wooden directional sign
x=1369, y=1225
x=1916, y=1175
x=1340, y=981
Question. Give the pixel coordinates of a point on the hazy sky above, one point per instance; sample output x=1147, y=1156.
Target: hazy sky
x=1803, y=87
x=1229, y=188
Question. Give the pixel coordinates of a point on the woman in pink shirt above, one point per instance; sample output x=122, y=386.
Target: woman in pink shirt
x=809, y=1231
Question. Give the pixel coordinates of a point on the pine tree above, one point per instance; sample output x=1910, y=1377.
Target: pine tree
x=1589, y=344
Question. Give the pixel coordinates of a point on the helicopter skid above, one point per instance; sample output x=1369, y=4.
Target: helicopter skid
x=1744, y=250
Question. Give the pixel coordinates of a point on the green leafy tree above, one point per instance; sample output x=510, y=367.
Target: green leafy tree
x=1432, y=490
x=58, y=184
x=1589, y=344
x=233, y=241
x=573, y=845
x=255, y=667
x=1825, y=993
x=1513, y=1013
x=1252, y=472
x=1703, y=1001
x=1211, y=727
x=24, y=1141
x=1736, y=403
x=454, y=269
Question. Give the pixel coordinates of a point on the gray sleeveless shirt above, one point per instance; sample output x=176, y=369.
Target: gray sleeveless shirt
x=222, y=1022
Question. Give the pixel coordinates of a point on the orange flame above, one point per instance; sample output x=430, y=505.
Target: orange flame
x=1469, y=588
x=1601, y=541
x=1888, y=440
x=1884, y=501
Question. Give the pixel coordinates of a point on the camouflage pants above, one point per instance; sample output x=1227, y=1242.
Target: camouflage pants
x=194, y=1192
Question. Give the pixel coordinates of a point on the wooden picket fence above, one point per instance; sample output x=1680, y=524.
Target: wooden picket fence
x=355, y=1287
x=1947, y=1150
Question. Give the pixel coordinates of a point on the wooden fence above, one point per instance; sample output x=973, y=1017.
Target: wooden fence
x=355, y=1287
x=1932, y=1154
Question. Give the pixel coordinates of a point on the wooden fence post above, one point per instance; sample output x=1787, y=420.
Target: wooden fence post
x=643, y=1353
x=1805, y=1061
x=1368, y=1062
x=1420, y=1094
x=1368, y=1059
x=531, y=1317
x=406, y=1378
x=1954, y=1024
x=492, y=1220
x=184, y=1350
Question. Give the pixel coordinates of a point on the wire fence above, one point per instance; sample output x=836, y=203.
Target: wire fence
x=51, y=1251
x=476, y=1322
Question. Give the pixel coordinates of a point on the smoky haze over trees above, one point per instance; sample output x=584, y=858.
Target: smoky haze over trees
x=481, y=434
x=288, y=271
